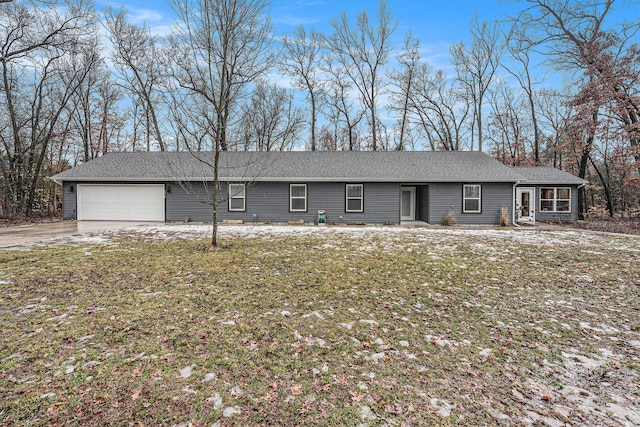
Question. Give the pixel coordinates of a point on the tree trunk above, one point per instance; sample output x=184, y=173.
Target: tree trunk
x=374, y=129
x=536, y=134
x=405, y=109
x=313, y=120
x=216, y=189
x=156, y=126
x=606, y=187
x=479, y=117
x=15, y=181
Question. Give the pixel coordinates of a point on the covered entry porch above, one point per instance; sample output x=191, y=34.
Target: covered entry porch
x=414, y=199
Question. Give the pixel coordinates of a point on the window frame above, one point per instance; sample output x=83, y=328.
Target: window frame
x=465, y=198
x=236, y=197
x=347, y=198
x=554, y=200
x=291, y=198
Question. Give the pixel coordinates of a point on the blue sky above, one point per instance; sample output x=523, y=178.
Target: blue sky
x=436, y=23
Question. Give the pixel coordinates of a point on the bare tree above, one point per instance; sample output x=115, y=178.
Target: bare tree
x=270, y=120
x=403, y=82
x=301, y=61
x=93, y=107
x=342, y=114
x=361, y=51
x=612, y=172
x=218, y=48
x=477, y=65
x=519, y=47
x=110, y=119
x=137, y=57
x=441, y=109
x=554, y=113
x=191, y=125
x=508, y=128
x=37, y=82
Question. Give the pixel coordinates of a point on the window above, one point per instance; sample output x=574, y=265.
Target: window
x=471, y=199
x=298, y=197
x=355, y=198
x=236, y=197
x=555, y=199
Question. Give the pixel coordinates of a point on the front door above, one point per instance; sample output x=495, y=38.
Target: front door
x=408, y=204
x=525, y=205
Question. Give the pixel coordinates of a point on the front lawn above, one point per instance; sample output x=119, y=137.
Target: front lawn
x=334, y=326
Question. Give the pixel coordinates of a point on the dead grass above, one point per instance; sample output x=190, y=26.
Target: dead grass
x=15, y=221
x=611, y=225
x=456, y=328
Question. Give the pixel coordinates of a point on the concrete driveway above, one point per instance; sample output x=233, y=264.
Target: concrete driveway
x=25, y=235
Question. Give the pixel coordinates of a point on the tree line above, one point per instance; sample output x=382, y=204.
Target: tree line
x=77, y=83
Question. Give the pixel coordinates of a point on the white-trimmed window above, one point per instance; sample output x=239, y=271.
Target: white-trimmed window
x=355, y=198
x=471, y=197
x=557, y=199
x=237, y=197
x=298, y=197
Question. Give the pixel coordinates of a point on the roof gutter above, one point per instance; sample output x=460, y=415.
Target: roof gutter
x=270, y=179
x=551, y=183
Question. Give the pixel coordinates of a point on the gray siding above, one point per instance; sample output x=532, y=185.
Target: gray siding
x=188, y=202
x=444, y=197
x=69, y=207
x=270, y=202
x=555, y=216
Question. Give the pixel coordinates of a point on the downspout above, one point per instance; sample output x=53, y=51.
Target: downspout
x=513, y=204
x=55, y=193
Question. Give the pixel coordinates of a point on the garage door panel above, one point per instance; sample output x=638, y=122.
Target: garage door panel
x=121, y=202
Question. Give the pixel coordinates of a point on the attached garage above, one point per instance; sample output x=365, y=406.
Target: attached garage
x=120, y=202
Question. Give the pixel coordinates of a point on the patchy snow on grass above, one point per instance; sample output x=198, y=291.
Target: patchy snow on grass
x=601, y=401
x=186, y=371
x=230, y=411
x=216, y=401
x=302, y=324
x=396, y=237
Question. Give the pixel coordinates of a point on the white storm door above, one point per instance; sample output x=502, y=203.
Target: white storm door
x=408, y=204
x=525, y=205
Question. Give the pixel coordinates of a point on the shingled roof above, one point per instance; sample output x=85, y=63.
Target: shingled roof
x=541, y=175
x=361, y=166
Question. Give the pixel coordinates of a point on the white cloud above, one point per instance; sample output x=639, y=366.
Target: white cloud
x=294, y=21
x=437, y=56
x=140, y=16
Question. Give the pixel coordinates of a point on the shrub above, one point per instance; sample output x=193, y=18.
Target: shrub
x=504, y=217
x=449, y=219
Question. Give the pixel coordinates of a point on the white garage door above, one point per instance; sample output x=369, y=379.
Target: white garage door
x=121, y=202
